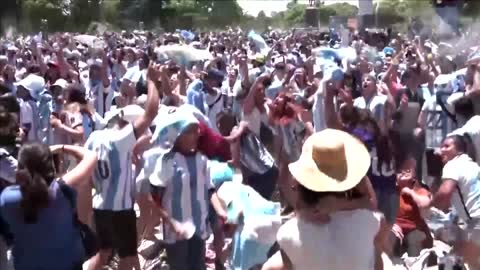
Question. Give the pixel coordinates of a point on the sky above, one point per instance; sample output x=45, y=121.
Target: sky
x=253, y=7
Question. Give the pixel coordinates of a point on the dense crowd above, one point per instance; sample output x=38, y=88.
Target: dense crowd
x=238, y=150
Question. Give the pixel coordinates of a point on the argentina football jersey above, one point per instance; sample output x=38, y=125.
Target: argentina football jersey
x=113, y=175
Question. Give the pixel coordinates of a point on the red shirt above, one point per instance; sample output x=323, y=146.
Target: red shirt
x=408, y=216
x=212, y=144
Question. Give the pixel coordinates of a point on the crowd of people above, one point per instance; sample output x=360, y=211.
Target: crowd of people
x=236, y=150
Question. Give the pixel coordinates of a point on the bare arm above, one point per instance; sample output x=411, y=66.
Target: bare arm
x=442, y=199
x=422, y=199
x=151, y=108
x=84, y=169
x=331, y=116
x=157, y=196
x=104, y=71
x=279, y=261
x=379, y=242
x=218, y=206
x=249, y=102
x=366, y=189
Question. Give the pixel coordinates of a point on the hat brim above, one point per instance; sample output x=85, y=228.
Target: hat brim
x=306, y=172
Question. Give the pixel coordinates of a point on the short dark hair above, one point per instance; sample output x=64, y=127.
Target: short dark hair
x=464, y=107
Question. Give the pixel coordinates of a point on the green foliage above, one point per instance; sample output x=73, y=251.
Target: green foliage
x=325, y=13
x=295, y=15
x=471, y=9
x=342, y=9
x=77, y=15
x=51, y=10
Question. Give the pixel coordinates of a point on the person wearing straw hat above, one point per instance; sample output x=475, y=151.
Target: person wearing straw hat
x=329, y=171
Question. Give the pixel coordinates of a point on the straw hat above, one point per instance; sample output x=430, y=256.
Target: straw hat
x=331, y=161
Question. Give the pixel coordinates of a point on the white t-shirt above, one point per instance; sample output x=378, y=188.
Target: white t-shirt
x=332, y=246
x=472, y=128
x=256, y=118
x=215, y=106
x=463, y=170
x=376, y=106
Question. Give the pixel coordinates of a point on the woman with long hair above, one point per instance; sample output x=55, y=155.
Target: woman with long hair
x=38, y=211
x=328, y=173
x=382, y=172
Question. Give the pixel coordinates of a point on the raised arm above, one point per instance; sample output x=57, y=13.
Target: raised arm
x=151, y=107
x=84, y=169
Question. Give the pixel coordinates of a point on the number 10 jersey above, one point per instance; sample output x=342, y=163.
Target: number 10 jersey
x=113, y=176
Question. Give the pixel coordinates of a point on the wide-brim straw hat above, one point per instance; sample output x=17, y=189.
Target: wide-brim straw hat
x=331, y=161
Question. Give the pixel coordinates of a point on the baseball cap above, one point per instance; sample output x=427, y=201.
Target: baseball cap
x=215, y=74
x=34, y=84
x=61, y=83
x=128, y=113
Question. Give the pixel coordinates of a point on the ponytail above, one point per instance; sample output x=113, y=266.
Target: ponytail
x=35, y=195
x=470, y=147
x=35, y=173
x=464, y=143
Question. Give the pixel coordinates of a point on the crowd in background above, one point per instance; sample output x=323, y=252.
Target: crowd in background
x=236, y=150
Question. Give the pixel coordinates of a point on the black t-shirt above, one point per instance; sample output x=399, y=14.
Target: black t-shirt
x=416, y=99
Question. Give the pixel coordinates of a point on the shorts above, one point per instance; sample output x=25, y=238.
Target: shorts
x=117, y=230
x=186, y=254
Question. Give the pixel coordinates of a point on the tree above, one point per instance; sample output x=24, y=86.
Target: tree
x=224, y=13
x=147, y=11
x=9, y=13
x=261, y=15
x=471, y=8
x=390, y=12
x=52, y=12
x=325, y=13
x=343, y=9
x=295, y=15
x=83, y=12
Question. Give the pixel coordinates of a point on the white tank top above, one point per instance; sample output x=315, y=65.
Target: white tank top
x=345, y=243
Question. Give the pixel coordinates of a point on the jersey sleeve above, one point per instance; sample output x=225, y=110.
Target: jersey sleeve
x=126, y=138
x=163, y=172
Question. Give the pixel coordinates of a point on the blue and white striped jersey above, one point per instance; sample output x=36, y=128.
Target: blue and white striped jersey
x=113, y=177
x=187, y=182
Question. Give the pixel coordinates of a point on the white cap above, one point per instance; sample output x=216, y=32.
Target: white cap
x=61, y=83
x=12, y=48
x=34, y=84
x=129, y=113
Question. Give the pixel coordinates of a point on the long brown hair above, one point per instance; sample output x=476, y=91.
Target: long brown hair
x=35, y=173
x=386, y=144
